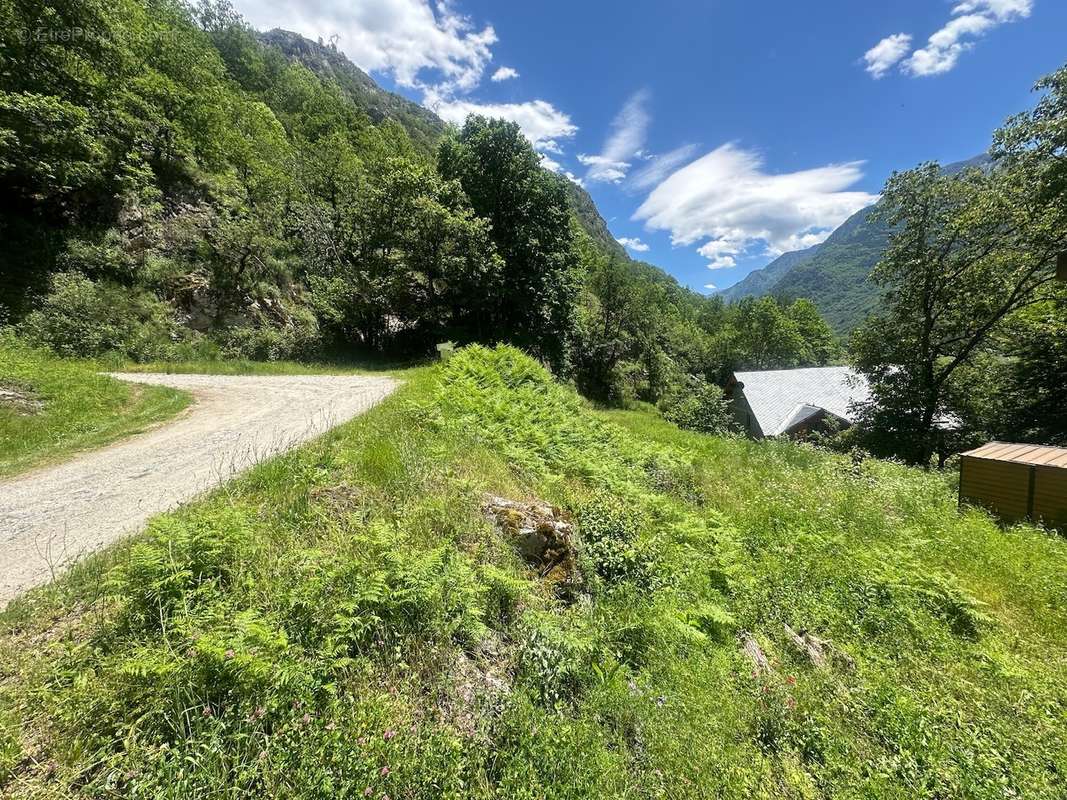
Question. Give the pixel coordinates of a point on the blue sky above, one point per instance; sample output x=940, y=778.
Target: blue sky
x=712, y=135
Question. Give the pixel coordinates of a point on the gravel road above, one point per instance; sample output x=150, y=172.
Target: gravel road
x=52, y=516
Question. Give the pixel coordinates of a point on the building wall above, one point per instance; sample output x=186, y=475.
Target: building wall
x=1050, y=496
x=1001, y=487
x=1004, y=488
x=743, y=415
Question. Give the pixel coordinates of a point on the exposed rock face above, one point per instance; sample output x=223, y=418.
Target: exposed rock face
x=543, y=535
x=475, y=689
x=820, y=652
x=750, y=647
x=19, y=399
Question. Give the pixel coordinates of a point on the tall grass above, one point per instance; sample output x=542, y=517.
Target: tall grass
x=345, y=622
x=70, y=407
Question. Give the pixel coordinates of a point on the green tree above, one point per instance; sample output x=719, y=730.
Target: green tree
x=536, y=301
x=967, y=252
x=820, y=346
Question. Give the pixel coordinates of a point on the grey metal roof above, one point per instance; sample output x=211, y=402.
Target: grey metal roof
x=780, y=398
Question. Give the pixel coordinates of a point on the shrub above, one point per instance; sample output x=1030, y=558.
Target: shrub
x=298, y=338
x=698, y=406
x=80, y=317
x=611, y=528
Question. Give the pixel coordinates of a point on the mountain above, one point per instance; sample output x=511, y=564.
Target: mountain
x=762, y=281
x=834, y=275
x=589, y=216
x=423, y=126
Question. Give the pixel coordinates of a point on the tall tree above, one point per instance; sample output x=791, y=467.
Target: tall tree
x=536, y=299
x=967, y=252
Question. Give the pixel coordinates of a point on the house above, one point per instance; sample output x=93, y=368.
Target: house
x=1017, y=481
x=793, y=402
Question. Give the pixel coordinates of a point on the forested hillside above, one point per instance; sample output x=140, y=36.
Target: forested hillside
x=179, y=185
x=763, y=281
x=834, y=275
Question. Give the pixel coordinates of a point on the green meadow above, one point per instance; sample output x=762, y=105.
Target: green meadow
x=347, y=621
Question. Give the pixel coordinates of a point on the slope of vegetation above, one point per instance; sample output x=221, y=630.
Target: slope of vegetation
x=345, y=621
x=762, y=281
x=179, y=187
x=52, y=407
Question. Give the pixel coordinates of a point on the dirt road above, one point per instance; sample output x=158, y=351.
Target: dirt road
x=54, y=515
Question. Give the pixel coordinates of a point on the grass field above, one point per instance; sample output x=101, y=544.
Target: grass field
x=56, y=407
x=344, y=621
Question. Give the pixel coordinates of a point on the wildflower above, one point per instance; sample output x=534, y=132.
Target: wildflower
x=791, y=703
x=791, y=680
x=385, y=771
x=207, y=712
x=362, y=740
x=389, y=734
x=331, y=726
x=306, y=718
x=262, y=755
x=368, y=792
x=229, y=654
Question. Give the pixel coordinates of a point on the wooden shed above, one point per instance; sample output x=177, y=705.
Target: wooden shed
x=1017, y=481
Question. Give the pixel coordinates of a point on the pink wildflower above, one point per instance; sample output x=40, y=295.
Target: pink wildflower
x=385, y=771
x=389, y=734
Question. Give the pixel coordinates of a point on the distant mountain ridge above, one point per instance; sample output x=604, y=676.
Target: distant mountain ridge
x=762, y=281
x=423, y=125
x=833, y=275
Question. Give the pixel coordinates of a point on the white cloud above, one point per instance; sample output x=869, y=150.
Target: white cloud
x=603, y=169
x=944, y=47
x=726, y=200
x=430, y=47
x=1000, y=10
x=970, y=19
x=541, y=122
x=403, y=38
x=659, y=167
x=710, y=286
x=550, y=163
x=504, y=74
x=624, y=142
x=881, y=58
x=634, y=244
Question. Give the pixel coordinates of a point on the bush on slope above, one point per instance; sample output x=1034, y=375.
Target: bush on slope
x=345, y=622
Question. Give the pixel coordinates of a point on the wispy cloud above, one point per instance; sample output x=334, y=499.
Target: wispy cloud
x=427, y=46
x=659, y=167
x=551, y=164
x=726, y=200
x=969, y=20
x=625, y=140
x=541, y=122
x=634, y=244
x=504, y=74
x=710, y=286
